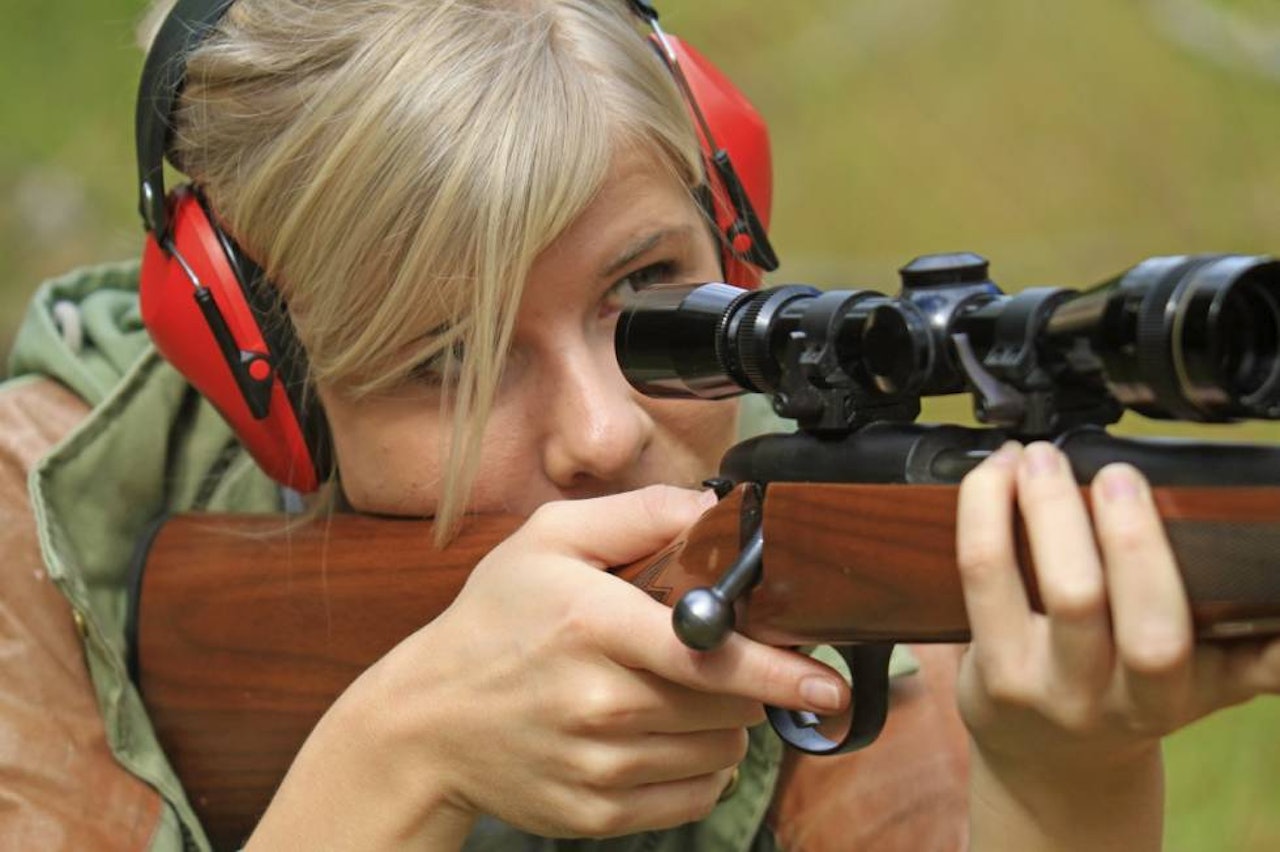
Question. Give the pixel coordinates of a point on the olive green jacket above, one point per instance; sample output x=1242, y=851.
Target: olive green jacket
x=152, y=445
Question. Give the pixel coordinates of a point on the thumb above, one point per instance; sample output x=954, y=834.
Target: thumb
x=620, y=528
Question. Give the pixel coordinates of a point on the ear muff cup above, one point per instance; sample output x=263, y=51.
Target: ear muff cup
x=256, y=363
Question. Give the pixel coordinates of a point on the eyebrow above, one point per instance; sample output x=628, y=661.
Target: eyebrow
x=640, y=247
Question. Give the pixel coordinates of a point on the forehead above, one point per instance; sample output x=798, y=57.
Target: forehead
x=639, y=200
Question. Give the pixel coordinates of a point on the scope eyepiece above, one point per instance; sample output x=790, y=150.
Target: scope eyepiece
x=703, y=341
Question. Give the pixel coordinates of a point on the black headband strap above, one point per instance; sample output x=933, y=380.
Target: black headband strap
x=644, y=9
x=163, y=75
x=746, y=221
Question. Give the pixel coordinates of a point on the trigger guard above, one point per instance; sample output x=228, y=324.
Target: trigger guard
x=869, y=671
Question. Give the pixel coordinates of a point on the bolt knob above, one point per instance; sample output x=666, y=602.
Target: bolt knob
x=702, y=619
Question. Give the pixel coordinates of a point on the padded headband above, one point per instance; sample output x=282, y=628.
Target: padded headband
x=163, y=75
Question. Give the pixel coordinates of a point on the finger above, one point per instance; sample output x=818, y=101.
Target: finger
x=1221, y=675
x=640, y=702
x=649, y=806
x=636, y=760
x=1149, y=611
x=679, y=709
x=1249, y=669
x=1068, y=571
x=994, y=595
x=696, y=796
x=620, y=528
x=740, y=667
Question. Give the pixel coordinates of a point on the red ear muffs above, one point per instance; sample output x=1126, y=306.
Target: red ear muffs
x=741, y=183
x=208, y=308
x=212, y=320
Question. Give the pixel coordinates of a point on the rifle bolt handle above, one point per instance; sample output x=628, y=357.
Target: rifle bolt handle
x=702, y=618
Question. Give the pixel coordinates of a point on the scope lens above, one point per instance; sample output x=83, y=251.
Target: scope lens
x=1250, y=342
x=1224, y=321
x=1192, y=338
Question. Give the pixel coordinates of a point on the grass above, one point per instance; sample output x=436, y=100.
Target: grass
x=1065, y=141
x=66, y=157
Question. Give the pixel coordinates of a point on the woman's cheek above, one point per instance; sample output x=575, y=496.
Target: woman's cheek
x=398, y=478
x=703, y=430
x=389, y=455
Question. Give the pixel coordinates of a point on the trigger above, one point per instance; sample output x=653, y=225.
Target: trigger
x=805, y=719
x=869, y=673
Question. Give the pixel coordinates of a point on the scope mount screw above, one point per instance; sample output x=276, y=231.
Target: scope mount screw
x=936, y=270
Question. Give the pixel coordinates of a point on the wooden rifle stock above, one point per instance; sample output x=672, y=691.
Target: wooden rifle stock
x=248, y=627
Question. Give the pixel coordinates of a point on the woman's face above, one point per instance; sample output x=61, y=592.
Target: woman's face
x=565, y=423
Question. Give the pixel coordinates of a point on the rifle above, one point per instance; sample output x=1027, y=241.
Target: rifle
x=246, y=628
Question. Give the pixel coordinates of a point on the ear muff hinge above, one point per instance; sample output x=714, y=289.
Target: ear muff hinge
x=253, y=371
x=746, y=242
x=759, y=251
x=161, y=82
x=644, y=9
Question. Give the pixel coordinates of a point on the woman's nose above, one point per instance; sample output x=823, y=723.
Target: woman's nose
x=596, y=429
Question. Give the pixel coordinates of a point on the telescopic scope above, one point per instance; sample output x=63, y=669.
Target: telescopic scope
x=1192, y=337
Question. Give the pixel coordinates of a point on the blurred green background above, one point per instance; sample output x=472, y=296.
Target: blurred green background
x=1064, y=141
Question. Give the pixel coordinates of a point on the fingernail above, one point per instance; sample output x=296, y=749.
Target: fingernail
x=1119, y=484
x=1007, y=455
x=821, y=693
x=1041, y=459
x=731, y=787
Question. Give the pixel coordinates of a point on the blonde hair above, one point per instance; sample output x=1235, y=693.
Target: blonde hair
x=396, y=165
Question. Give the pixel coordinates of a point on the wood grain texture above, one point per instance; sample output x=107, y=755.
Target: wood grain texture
x=859, y=563
x=249, y=629
x=250, y=626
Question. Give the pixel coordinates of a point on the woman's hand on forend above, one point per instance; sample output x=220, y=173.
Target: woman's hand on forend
x=1087, y=688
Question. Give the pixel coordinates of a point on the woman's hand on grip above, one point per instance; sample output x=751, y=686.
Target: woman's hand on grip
x=557, y=697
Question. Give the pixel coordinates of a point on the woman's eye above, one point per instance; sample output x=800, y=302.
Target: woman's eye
x=441, y=368
x=625, y=289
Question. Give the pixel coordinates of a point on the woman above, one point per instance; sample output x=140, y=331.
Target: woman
x=454, y=199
